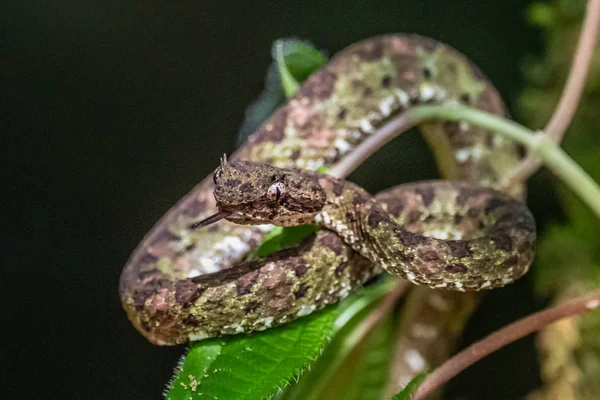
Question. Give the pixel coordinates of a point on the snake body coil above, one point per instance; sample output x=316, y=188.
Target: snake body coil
x=486, y=239
x=183, y=284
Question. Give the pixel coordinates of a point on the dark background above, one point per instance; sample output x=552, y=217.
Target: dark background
x=112, y=111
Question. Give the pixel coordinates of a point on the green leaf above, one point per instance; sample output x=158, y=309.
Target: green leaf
x=289, y=83
x=251, y=366
x=267, y=102
x=409, y=389
x=364, y=372
x=301, y=59
x=542, y=14
x=345, y=357
x=570, y=252
x=280, y=238
x=353, y=309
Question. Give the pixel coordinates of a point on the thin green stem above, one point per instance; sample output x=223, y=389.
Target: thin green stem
x=537, y=143
x=549, y=152
x=472, y=115
x=570, y=97
x=418, y=114
x=563, y=166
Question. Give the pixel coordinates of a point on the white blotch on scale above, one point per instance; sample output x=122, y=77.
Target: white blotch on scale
x=312, y=164
x=414, y=360
x=476, y=153
x=233, y=246
x=208, y=266
x=305, y=310
x=498, y=140
x=264, y=228
x=427, y=92
x=463, y=155
x=439, y=234
x=403, y=97
x=236, y=327
x=340, y=226
x=355, y=135
x=424, y=331
x=325, y=218
x=438, y=302
x=198, y=336
x=441, y=94
x=263, y=323
x=386, y=106
x=342, y=146
x=344, y=292
x=366, y=126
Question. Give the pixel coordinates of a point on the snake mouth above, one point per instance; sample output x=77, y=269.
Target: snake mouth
x=211, y=220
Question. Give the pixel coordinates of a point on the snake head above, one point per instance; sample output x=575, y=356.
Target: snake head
x=255, y=193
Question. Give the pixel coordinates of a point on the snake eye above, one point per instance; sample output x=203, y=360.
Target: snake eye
x=216, y=175
x=275, y=192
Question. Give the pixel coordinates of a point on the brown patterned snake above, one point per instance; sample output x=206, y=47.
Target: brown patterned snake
x=185, y=284
x=501, y=230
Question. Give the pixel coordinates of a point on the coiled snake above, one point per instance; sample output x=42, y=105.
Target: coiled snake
x=184, y=284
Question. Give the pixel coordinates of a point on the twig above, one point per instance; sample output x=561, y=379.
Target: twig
x=555, y=129
x=563, y=114
x=348, y=343
x=422, y=113
x=540, y=146
x=429, y=326
x=557, y=161
x=382, y=136
x=362, y=302
x=576, y=82
x=504, y=336
x=570, y=173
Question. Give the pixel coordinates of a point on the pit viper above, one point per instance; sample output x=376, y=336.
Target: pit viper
x=183, y=284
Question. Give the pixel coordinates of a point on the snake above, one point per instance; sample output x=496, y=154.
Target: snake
x=185, y=284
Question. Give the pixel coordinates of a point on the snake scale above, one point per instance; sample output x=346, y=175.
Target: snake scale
x=183, y=284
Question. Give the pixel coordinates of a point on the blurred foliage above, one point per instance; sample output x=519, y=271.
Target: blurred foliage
x=365, y=370
x=568, y=255
x=407, y=392
x=353, y=366
x=280, y=238
x=296, y=59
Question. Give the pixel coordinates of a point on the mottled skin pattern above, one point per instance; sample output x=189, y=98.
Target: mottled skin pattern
x=166, y=287
x=481, y=238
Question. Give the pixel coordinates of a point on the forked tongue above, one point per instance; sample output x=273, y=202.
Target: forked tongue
x=210, y=220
